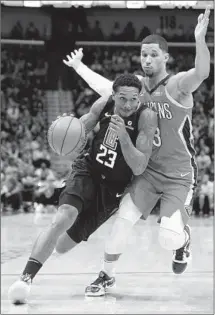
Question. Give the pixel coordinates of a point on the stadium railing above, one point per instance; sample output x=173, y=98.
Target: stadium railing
x=96, y=43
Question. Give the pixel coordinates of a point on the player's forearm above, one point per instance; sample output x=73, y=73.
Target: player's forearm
x=97, y=82
x=202, y=61
x=135, y=159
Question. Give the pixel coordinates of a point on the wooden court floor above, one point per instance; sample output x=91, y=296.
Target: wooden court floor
x=145, y=282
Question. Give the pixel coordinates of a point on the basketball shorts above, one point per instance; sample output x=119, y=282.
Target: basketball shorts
x=95, y=201
x=174, y=194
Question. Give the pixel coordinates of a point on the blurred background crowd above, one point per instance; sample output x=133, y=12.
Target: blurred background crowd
x=92, y=31
x=35, y=83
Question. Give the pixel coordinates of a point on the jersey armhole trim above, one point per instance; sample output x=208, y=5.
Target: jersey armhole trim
x=174, y=101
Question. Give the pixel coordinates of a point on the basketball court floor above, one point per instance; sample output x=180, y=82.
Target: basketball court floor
x=145, y=282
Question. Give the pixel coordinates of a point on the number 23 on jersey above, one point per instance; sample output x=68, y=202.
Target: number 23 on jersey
x=107, y=154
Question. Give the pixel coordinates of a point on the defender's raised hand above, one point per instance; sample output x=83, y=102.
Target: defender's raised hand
x=201, y=27
x=75, y=59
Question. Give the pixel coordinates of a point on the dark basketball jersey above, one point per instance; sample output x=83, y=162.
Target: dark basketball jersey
x=173, y=152
x=105, y=152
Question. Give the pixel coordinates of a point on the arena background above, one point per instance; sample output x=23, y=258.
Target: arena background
x=36, y=87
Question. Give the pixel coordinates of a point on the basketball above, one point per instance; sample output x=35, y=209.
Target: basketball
x=19, y=292
x=67, y=135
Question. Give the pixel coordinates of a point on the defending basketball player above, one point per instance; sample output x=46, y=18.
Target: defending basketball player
x=99, y=176
x=171, y=172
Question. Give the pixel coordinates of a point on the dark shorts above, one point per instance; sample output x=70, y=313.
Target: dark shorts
x=94, y=200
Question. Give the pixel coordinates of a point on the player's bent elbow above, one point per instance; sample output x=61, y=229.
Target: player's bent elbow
x=138, y=171
x=203, y=75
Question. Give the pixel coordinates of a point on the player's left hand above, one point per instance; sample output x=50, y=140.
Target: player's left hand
x=202, y=26
x=118, y=125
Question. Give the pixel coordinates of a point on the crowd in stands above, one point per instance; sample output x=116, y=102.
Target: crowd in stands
x=31, y=31
x=94, y=32
x=25, y=160
x=26, y=173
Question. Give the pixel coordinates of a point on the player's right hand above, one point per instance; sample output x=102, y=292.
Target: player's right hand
x=75, y=59
x=201, y=27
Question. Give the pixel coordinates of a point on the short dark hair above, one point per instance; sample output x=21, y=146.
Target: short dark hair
x=127, y=80
x=156, y=39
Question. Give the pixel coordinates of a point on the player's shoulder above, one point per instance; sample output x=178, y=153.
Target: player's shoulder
x=173, y=80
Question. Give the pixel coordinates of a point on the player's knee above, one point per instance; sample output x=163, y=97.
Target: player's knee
x=171, y=233
x=68, y=211
x=64, y=218
x=128, y=211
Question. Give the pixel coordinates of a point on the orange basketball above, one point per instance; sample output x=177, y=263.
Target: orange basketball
x=67, y=135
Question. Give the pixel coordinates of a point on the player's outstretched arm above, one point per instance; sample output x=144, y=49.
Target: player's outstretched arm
x=137, y=157
x=97, y=82
x=188, y=82
x=91, y=119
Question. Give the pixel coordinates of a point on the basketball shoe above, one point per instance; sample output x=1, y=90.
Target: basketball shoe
x=182, y=256
x=20, y=290
x=100, y=285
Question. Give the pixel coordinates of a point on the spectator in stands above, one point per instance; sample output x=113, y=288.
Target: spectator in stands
x=32, y=32
x=116, y=33
x=206, y=195
x=39, y=154
x=203, y=147
x=203, y=161
x=180, y=34
x=17, y=31
x=96, y=66
x=190, y=33
x=44, y=172
x=45, y=187
x=11, y=168
x=145, y=31
x=13, y=150
x=96, y=32
x=40, y=72
x=11, y=195
x=12, y=111
x=129, y=32
x=84, y=101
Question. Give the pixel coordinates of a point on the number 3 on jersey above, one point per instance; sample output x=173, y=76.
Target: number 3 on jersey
x=111, y=156
x=157, y=138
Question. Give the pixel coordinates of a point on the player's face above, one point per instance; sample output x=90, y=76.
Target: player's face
x=153, y=59
x=126, y=100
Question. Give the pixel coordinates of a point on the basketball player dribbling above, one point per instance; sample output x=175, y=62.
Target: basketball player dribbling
x=171, y=172
x=99, y=176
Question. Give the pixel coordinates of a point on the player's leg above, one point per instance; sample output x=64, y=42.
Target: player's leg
x=42, y=249
x=138, y=201
x=174, y=232
x=70, y=204
x=89, y=220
